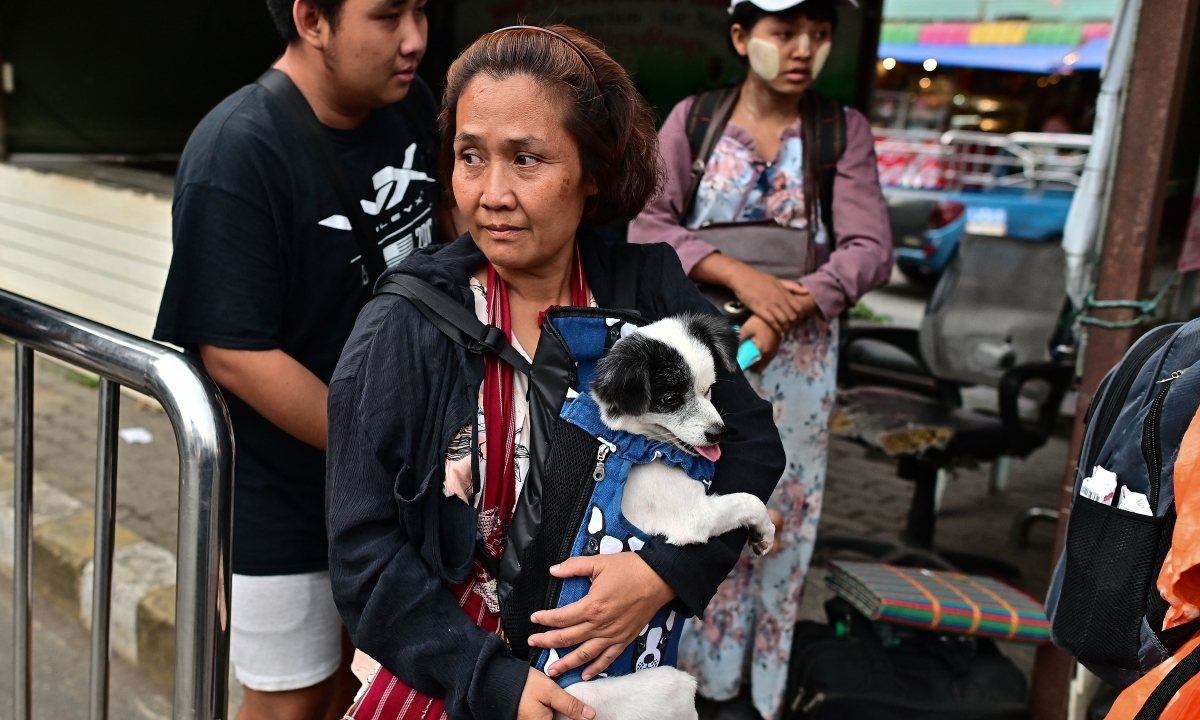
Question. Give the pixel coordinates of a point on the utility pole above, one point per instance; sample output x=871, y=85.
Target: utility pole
x=1162, y=48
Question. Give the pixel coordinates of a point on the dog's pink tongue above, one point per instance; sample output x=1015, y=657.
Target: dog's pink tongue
x=712, y=452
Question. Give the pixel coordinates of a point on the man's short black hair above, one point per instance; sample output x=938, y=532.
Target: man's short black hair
x=281, y=13
x=747, y=14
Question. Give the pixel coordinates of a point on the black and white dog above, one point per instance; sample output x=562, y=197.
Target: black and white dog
x=657, y=382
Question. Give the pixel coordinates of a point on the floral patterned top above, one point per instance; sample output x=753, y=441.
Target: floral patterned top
x=739, y=186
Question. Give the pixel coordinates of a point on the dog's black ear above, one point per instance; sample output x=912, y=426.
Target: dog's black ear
x=717, y=335
x=623, y=376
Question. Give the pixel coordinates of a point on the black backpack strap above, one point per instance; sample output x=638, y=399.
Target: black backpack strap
x=625, y=276
x=1187, y=669
x=1177, y=637
x=281, y=86
x=455, y=321
x=417, y=107
x=823, y=124
x=706, y=121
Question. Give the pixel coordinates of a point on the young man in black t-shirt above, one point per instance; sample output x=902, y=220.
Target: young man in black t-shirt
x=266, y=282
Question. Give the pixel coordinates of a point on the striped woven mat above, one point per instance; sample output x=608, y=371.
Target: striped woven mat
x=939, y=600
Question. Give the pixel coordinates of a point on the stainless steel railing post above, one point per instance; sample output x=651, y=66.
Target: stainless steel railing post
x=203, y=434
x=203, y=573
x=102, y=555
x=23, y=537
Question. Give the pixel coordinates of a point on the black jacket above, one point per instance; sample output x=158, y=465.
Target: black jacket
x=400, y=391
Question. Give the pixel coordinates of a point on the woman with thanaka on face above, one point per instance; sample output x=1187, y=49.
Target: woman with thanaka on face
x=544, y=138
x=757, y=172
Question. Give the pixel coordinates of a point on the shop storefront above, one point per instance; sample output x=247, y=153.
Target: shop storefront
x=1001, y=66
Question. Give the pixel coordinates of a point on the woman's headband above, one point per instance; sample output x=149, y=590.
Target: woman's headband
x=578, y=50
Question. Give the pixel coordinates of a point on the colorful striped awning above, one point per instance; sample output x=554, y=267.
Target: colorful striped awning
x=1017, y=45
x=1005, y=32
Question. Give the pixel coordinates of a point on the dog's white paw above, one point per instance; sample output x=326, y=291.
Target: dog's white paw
x=662, y=693
x=762, y=537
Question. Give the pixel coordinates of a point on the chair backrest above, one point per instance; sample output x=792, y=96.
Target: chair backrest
x=997, y=305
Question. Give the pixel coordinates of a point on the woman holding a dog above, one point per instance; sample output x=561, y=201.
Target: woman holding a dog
x=764, y=167
x=544, y=138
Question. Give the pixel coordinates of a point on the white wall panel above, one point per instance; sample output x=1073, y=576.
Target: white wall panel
x=93, y=250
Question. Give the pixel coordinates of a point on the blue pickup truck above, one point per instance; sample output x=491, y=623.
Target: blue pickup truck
x=927, y=224
x=940, y=186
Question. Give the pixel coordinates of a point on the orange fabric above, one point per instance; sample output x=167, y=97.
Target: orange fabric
x=1179, y=584
x=1185, y=706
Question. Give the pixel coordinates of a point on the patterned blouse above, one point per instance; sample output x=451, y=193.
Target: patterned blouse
x=739, y=186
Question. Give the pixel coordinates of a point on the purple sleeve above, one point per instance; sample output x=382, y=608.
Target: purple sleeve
x=662, y=220
x=862, y=260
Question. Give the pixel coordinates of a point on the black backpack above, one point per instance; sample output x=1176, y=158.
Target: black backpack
x=855, y=669
x=1103, y=604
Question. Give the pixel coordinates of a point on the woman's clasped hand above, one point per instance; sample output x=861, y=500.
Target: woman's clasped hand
x=624, y=596
x=780, y=304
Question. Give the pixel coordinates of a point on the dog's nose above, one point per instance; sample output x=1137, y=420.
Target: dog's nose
x=714, y=434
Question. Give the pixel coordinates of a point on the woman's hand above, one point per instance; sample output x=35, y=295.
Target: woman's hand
x=625, y=595
x=804, y=297
x=543, y=697
x=777, y=521
x=775, y=301
x=765, y=339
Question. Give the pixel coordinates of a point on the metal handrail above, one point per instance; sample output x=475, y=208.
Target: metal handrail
x=959, y=159
x=202, y=431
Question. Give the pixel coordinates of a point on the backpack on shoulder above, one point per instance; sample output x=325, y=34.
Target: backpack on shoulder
x=1103, y=604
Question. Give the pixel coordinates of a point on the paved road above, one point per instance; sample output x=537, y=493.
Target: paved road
x=60, y=666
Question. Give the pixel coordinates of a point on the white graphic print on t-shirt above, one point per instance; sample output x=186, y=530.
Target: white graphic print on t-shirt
x=391, y=186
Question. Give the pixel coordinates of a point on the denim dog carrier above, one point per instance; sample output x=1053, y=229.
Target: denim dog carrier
x=1103, y=604
x=604, y=530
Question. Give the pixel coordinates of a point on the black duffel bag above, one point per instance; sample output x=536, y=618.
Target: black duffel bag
x=856, y=669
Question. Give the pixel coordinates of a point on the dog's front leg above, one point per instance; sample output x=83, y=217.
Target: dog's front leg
x=663, y=500
x=737, y=510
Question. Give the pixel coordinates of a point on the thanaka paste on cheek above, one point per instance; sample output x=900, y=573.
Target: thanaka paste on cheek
x=764, y=58
x=819, y=60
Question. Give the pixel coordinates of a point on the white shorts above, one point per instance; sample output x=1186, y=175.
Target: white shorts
x=286, y=631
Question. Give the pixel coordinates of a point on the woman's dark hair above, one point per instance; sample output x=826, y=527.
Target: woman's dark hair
x=618, y=145
x=281, y=14
x=747, y=14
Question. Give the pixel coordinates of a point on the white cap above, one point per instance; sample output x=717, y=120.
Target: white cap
x=774, y=5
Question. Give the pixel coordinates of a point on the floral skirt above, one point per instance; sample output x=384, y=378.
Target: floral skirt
x=746, y=634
